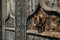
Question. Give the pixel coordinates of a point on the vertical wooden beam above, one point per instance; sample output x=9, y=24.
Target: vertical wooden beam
x=3, y=18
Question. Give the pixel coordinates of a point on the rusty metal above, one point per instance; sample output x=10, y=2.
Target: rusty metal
x=40, y=20
x=58, y=3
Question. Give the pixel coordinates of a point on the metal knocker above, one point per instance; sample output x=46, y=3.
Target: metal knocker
x=40, y=20
x=35, y=21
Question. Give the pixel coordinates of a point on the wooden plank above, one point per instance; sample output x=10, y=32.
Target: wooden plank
x=8, y=28
x=47, y=34
x=10, y=35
